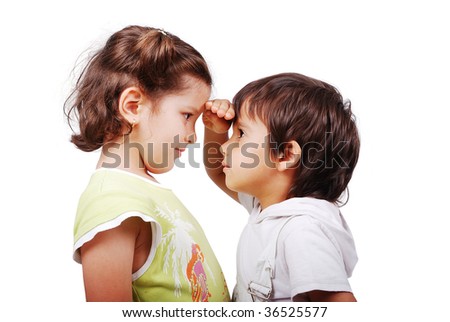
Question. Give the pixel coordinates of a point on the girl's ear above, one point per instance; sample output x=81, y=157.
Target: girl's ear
x=290, y=157
x=129, y=102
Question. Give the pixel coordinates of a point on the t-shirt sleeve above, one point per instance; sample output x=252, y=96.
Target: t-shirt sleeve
x=104, y=210
x=113, y=223
x=312, y=257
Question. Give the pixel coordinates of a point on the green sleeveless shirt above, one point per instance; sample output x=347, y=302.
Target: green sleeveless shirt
x=181, y=265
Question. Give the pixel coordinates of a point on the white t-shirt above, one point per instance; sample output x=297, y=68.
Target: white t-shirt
x=314, y=249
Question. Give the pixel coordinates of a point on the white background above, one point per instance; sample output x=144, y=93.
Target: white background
x=391, y=58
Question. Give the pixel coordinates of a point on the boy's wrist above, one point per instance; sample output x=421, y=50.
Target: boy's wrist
x=214, y=138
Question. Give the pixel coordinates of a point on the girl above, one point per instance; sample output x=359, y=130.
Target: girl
x=138, y=100
x=292, y=153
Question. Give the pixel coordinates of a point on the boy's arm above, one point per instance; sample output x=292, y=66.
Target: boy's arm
x=217, y=120
x=323, y=296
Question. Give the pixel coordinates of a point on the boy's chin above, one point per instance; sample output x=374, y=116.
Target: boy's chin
x=160, y=169
x=233, y=187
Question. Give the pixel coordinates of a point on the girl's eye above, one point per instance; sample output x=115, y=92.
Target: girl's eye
x=241, y=133
x=187, y=116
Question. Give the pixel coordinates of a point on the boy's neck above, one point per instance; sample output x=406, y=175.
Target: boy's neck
x=277, y=190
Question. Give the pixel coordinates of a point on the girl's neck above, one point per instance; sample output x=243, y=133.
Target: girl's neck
x=115, y=156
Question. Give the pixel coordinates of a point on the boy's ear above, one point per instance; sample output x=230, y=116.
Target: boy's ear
x=129, y=102
x=290, y=157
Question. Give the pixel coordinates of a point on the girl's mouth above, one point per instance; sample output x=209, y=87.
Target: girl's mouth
x=180, y=151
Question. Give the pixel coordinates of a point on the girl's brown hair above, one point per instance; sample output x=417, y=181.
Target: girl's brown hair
x=152, y=59
x=313, y=113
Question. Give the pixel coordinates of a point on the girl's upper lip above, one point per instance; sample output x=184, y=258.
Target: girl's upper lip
x=224, y=164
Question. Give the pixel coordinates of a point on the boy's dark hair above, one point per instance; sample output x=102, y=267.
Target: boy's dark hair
x=151, y=59
x=313, y=113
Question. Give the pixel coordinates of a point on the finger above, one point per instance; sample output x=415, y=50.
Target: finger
x=224, y=106
x=230, y=114
x=215, y=106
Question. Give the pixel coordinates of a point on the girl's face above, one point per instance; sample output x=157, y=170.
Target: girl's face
x=170, y=125
x=248, y=166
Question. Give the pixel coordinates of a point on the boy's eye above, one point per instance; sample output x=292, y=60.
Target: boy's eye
x=240, y=133
x=187, y=116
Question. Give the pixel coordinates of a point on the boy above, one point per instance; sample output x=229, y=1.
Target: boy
x=292, y=153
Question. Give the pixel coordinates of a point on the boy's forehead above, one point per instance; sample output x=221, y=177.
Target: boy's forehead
x=243, y=113
x=241, y=117
x=247, y=114
x=245, y=121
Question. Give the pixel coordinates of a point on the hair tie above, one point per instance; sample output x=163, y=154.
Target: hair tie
x=162, y=32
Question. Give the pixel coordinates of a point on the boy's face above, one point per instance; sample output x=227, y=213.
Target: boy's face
x=247, y=163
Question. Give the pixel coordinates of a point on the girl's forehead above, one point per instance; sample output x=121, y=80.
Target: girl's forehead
x=193, y=83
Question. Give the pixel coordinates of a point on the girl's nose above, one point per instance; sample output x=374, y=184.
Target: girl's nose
x=191, y=138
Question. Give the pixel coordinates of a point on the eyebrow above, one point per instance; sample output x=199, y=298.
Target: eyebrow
x=194, y=109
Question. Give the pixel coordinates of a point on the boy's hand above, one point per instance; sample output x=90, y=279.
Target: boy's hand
x=218, y=115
